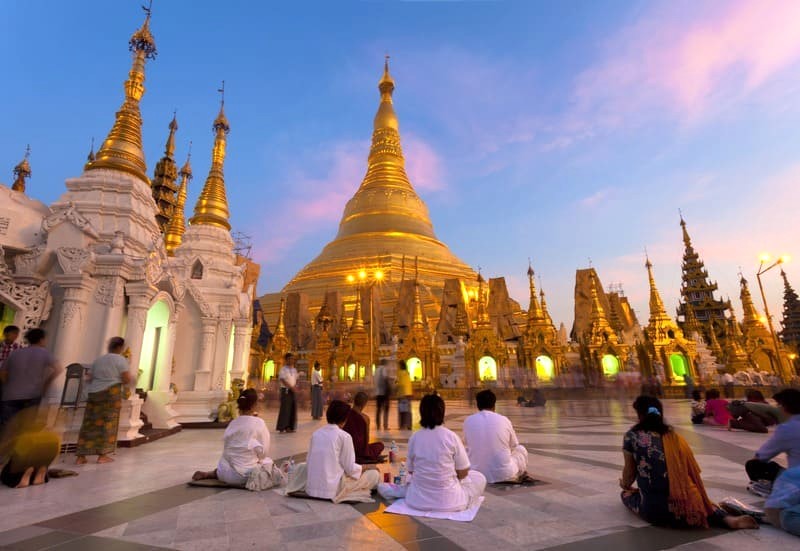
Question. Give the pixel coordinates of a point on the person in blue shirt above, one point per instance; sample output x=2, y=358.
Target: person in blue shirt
x=762, y=470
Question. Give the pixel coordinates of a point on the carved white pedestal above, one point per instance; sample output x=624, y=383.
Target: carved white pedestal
x=195, y=406
x=159, y=411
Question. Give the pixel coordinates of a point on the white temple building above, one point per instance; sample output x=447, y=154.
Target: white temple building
x=113, y=256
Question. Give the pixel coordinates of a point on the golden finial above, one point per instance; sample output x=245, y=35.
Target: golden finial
x=212, y=205
x=358, y=321
x=657, y=310
x=173, y=235
x=22, y=172
x=686, y=239
x=90, y=156
x=280, y=328
x=386, y=118
x=534, y=309
x=122, y=148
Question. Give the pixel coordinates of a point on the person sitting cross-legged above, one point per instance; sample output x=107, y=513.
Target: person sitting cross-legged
x=785, y=439
x=246, y=448
x=492, y=444
x=331, y=471
x=669, y=489
x=357, y=426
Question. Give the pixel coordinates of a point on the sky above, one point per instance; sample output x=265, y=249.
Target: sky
x=568, y=132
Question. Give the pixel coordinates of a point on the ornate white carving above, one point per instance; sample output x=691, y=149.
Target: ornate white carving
x=70, y=214
x=109, y=291
x=69, y=312
x=118, y=243
x=27, y=264
x=195, y=293
x=73, y=260
x=33, y=300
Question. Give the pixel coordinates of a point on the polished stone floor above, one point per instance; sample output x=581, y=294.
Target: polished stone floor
x=141, y=501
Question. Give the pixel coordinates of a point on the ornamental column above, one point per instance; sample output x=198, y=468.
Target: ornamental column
x=69, y=339
x=202, y=377
x=140, y=295
x=241, y=342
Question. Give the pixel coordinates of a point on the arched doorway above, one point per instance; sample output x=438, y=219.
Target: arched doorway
x=269, y=370
x=545, y=368
x=487, y=369
x=414, y=366
x=155, y=342
x=610, y=365
x=679, y=365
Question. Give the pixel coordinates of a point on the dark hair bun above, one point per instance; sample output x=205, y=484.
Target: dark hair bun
x=247, y=399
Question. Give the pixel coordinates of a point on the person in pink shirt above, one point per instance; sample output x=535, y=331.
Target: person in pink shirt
x=716, y=409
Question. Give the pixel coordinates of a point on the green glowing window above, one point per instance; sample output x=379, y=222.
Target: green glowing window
x=610, y=365
x=269, y=370
x=545, y=369
x=679, y=366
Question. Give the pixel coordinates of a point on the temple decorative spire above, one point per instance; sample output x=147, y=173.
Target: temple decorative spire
x=534, y=309
x=358, y=321
x=22, y=172
x=165, y=176
x=122, y=148
x=790, y=323
x=482, y=317
x=600, y=329
x=280, y=327
x=90, y=157
x=212, y=205
x=751, y=317
x=690, y=325
x=173, y=234
x=543, y=302
x=687, y=241
x=657, y=310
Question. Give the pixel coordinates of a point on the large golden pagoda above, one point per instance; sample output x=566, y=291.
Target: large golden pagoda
x=383, y=222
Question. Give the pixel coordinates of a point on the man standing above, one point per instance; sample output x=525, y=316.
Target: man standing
x=9, y=344
x=492, y=444
x=287, y=416
x=382, y=395
x=26, y=374
x=316, y=392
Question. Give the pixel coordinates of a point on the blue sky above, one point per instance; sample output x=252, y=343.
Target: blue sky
x=559, y=131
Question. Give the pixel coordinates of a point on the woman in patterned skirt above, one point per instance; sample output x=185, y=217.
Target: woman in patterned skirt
x=108, y=376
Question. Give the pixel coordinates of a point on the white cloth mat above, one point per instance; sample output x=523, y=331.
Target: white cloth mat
x=399, y=507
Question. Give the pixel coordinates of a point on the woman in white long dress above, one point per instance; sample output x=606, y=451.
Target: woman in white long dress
x=246, y=445
x=441, y=479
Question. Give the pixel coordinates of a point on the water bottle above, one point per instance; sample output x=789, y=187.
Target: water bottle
x=393, y=452
x=290, y=470
x=402, y=473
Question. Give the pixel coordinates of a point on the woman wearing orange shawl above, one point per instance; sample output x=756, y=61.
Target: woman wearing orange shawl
x=669, y=489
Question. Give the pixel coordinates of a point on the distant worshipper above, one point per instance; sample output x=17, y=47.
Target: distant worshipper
x=9, y=344
x=330, y=470
x=404, y=394
x=287, y=415
x=669, y=489
x=492, y=444
x=382, y=392
x=30, y=448
x=716, y=409
x=316, y=392
x=754, y=414
x=786, y=439
x=438, y=465
x=245, y=457
x=107, y=376
x=26, y=375
x=698, y=406
x=538, y=399
x=357, y=426
x=782, y=507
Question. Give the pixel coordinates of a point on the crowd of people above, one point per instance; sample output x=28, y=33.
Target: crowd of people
x=660, y=480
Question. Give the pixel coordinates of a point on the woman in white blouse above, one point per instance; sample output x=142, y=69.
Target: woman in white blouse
x=441, y=479
x=246, y=445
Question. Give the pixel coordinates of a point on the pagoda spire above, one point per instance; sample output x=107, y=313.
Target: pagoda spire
x=280, y=327
x=122, y=148
x=600, y=328
x=751, y=317
x=483, y=313
x=176, y=227
x=22, y=172
x=543, y=302
x=790, y=332
x=90, y=157
x=691, y=326
x=657, y=310
x=164, y=179
x=358, y=321
x=534, y=309
x=212, y=205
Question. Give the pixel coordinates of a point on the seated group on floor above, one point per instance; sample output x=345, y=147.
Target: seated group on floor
x=669, y=488
x=754, y=414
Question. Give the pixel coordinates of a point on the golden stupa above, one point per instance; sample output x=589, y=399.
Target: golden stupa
x=384, y=223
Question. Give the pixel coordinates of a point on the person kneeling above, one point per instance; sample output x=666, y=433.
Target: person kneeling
x=357, y=426
x=492, y=444
x=245, y=460
x=438, y=465
x=30, y=448
x=331, y=471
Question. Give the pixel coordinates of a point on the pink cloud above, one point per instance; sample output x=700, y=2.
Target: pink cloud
x=424, y=167
x=692, y=59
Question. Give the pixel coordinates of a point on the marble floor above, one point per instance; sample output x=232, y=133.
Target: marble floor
x=141, y=501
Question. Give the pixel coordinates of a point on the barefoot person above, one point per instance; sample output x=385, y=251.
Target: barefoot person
x=30, y=449
x=492, y=444
x=107, y=377
x=245, y=445
x=762, y=470
x=669, y=489
x=331, y=471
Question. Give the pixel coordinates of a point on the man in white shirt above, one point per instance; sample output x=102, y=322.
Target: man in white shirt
x=287, y=415
x=316, y=392
x=331, y=471
x=492, y=444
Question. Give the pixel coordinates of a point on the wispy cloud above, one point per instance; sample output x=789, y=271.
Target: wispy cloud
x=599, y=197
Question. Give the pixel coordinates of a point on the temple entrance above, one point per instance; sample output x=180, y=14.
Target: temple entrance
x=679, y=365
x=487, y=369
x=610, y=365
x=268, y=370
x=545, y=369
x=7, y=315
x=155, y=341
x=414, y=366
